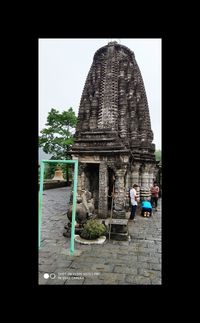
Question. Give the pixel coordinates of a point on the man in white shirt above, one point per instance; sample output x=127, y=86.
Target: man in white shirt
x=133, y=196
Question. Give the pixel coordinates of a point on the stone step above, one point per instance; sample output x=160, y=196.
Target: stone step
x=114, y=221
x=119, y=236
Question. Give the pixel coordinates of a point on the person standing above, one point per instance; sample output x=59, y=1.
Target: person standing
x=154, y=195
x=133, y=197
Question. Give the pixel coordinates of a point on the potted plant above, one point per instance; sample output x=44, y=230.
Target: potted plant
x=93, y=229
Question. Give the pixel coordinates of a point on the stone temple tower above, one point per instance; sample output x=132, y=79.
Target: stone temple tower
x=113, y=139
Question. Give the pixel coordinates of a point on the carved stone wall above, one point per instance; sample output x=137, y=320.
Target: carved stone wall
x=114, y=127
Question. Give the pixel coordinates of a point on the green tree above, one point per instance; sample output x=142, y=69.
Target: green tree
x=57, y=138
x=158, y=155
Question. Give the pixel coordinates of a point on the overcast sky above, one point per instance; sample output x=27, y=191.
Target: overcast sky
x=65, y=63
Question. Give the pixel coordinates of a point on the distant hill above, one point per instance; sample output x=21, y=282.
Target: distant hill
x=43, y=155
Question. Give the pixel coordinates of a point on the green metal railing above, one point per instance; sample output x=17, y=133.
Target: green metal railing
x=75, y=162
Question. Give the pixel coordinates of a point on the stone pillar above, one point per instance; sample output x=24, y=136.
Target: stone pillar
x=128, y=180
x=135, y=174
x=145, y=176
x=151, y=175
x=103, y=190
x=81, y=179
x=120, y=193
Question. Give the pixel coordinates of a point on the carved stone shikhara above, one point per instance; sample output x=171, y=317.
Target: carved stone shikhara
x=113, y=139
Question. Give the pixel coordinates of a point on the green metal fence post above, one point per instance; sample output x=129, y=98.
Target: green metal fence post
x=40, y=201
x=74, y=207
x=75, y=162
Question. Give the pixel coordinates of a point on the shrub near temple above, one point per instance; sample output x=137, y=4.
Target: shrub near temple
x=93, y=230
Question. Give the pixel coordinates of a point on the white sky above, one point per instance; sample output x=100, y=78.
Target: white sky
x=65, y=63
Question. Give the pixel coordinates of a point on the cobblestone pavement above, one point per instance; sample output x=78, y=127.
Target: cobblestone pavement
x=134, y=262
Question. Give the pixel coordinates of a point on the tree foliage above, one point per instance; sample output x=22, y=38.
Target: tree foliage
x=158, y=154
x=57, y=138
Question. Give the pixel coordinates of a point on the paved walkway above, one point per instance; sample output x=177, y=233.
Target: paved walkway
x=134, y=262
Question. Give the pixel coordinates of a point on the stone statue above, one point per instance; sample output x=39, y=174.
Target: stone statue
x=84, y=208
x=84, y=211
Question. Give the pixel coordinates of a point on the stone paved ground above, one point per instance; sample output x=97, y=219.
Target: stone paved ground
x=134, y=262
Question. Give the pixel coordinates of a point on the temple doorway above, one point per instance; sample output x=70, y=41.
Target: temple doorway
x=111, y=183
x=92, y=182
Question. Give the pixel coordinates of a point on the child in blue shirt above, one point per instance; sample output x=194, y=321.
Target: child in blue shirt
x=146, y=209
